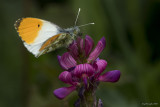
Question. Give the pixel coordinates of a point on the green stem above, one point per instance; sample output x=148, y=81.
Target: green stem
x=89, y=99
x=87, y=96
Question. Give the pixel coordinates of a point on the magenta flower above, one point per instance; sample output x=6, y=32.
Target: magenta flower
x=83, y=68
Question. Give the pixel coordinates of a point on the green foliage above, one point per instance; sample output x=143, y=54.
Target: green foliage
x=131, y=28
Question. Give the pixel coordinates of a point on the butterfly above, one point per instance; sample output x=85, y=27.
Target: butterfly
x=41, y=36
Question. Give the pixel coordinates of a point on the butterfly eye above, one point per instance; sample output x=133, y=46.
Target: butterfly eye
x=38, y=25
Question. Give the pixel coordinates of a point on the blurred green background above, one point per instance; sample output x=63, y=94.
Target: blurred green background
x=132, y=31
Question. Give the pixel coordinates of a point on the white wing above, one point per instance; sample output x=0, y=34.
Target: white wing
x=34, y=49
x=47, y=31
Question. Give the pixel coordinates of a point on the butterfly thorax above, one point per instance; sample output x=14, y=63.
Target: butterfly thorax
x=74, y=31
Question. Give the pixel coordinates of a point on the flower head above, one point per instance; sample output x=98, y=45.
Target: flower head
x=83, y=67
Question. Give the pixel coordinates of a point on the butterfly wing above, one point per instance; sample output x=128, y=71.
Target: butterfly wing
x=34, y=32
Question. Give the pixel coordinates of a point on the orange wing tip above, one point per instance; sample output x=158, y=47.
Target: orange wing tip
x=28, y=28
x=17, y=23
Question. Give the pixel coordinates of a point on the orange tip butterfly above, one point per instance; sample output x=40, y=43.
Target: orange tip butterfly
x=41, y=36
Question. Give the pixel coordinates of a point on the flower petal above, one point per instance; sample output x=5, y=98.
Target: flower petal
x=100, y=104
x=100, y=66
x=73, y=49
x=61, y=93
x=83, y=69
x=59, y=60
x=97, y=59
x=111, y=76
x=67, y=61
x=99, y=48
x=88, y=45
x=66, y=77
x=103, y=40
x=85, y=81
x=80, y=44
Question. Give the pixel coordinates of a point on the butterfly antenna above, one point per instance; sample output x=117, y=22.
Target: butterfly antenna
x=86, y=24
x=77, y=16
